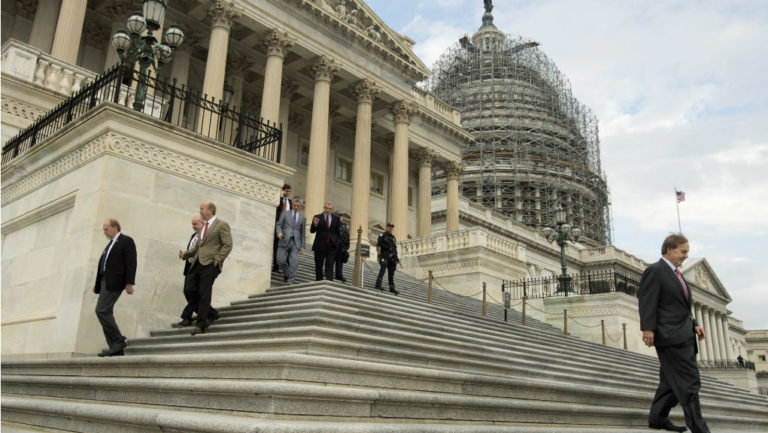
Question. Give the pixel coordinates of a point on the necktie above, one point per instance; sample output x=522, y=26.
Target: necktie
x=103, y=259
x=205, y=229
x=685, y=289
x=328, y=226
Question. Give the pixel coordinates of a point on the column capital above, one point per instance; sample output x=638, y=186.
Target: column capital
x=276, y=42
x=121, y=9
x=237, y=63
x=26, y=8
x=453, y=169
x=366, y=90
x=288, y=88
x=424, y=156
x=223, y=13
x=402, y=111
x=325, y=68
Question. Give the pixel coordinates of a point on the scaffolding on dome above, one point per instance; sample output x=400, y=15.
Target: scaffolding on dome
x=535, y=145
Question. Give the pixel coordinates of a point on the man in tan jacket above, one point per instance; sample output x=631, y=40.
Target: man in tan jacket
x=207, y=260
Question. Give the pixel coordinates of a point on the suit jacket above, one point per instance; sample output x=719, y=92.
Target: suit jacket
x=120, y=268
x=663, y=307
x=216, y=245
x=288, y=229
x=187, y=263
x=281, y=207
x=324, y=233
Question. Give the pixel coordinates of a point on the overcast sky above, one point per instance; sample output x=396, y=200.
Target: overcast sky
x=680, y=89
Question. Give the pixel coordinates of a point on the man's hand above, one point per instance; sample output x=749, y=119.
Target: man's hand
x=301, y=250
x=700, y=332
x=648, y=338
x=280, y=236
x=315, y=220
x=129, y=289
x=181, y=254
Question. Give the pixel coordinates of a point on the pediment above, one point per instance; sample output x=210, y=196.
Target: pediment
x=700, y=272
x=357, y=18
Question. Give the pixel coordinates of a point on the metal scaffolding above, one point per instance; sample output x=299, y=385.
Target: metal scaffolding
x=535, y=145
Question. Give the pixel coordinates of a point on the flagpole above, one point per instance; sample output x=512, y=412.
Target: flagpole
x=679, y=227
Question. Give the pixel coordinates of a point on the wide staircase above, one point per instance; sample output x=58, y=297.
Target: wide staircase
x=322, y=357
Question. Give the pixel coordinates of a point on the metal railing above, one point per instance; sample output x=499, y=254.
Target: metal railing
x=589, y=283
x=165, y=101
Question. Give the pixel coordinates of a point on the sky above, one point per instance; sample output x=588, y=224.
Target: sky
x=680, y=89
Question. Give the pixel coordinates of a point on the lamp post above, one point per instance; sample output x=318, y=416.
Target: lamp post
x=134, y=46
x=563, y=233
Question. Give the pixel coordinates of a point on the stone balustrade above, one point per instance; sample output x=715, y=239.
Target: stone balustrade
x=30, y=64
x=469, y=238
x=611, y=253
x=431, y=102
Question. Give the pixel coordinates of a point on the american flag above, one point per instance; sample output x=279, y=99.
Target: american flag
x=680, y=196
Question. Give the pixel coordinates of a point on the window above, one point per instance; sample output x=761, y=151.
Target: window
x=410, y=196
x=303, y=152
x=377, y=183
x=761, y=357
x=344, y=169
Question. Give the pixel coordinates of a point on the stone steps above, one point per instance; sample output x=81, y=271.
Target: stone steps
x=415, y=289
x=332, y=357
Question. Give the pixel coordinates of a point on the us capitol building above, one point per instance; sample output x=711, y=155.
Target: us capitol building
x=238, y=97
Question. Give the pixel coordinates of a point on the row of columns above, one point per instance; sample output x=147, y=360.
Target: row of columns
x=716, y=346
x=274, y=108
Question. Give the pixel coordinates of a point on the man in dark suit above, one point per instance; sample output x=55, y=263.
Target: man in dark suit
x=666, y=321
x=208, y=258
x=284, y=205
x=116, y=272
x=342, y=255
x=191, y=307
x=291, y=229
x=326, y=241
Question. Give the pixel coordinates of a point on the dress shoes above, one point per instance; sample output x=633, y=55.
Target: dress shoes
x=668, y=427
x=183, y=323
x=210, y=321
x=197, y=331
x=392, y=290
x=104, y=353
x=342, y=279
x=117, y=349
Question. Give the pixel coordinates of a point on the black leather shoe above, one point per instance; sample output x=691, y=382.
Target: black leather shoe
x=342, y=279
x=379, y=288
x=183, y=323
x=117, y=348
x=211, y=320
x=104, y=352
x=668, y=427
x=197, y=331
x=118, y=353
x=392, y=290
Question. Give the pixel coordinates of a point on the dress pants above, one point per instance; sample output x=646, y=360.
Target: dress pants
x=388, y=266
x=104, y=311
x=679, y=382
x=288, y=259
x=339, y=265
x=199, y=286
x=324, y=260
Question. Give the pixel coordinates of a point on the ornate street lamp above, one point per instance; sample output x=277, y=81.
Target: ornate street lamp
x=132, y=46
x=563, y=233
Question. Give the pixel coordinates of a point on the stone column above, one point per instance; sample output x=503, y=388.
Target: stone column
x=118, y=12
x=425, y=157
x=44, y=24
x=324, y=69
x=365, y=90
x=721, y=336
x=702, y=343
x=222, y=14
x=69, y=29
x=713, y=336
x=237, y=65
x=389, y=144
x=401, y=113
x=277, y=44
x=727, y=339
x=452, y=172
x=289, y=88
x=709, y=339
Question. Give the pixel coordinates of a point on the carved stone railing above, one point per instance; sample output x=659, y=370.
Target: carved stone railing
x=611, y=253
x=30, y=64
x=469, y=238
x=431, y=102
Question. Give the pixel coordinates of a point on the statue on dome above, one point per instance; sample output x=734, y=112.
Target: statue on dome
x=488, y=5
